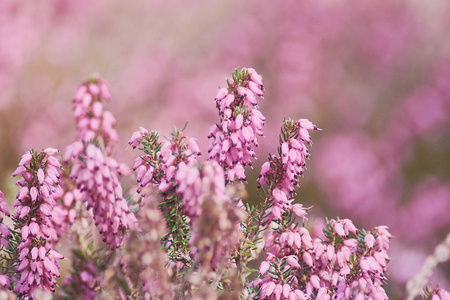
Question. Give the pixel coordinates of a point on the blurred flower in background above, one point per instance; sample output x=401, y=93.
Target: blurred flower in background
x=375, y=75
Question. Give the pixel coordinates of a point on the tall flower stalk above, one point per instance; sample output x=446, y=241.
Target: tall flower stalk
x=241, y=122
x=157, y=169
x=93, y=179
x=97, y=177
x=37, y=262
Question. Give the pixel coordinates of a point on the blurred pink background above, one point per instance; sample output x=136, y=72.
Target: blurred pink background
x=375, y=75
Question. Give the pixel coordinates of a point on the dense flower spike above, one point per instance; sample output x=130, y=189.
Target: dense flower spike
x=201, y=184
x=158, y=168
x=282, y=173
x=91, y=118
x=97, y=177
x=232, y=140
x=37, y=261
x=159, y=165
x=342, y=265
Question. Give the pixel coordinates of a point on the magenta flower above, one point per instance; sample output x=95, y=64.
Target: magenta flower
x=37, y=263
x=241, y=122
x=97, y=177
x=282, y=173
x=337, y=266
x=159, y=165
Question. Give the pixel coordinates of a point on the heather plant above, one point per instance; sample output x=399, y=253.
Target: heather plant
x=184, y=229
x=372, y=74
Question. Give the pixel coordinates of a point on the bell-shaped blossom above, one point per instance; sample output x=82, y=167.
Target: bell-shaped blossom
x=91, y=118
x=282, y=173
x=97, y=177
x=37, y=261
x=241, y=122
x=158, y=166
x=322, y=268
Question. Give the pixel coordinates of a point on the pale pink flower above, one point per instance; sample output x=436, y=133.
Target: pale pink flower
x=333, y=270
x=91, y=118
x=97, y=177
x=210, y=211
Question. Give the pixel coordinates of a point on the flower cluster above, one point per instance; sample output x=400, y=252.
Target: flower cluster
x=67, y=199
x=240, y=123
x=37, y=261
x=198, y=184
x=92, y=121
x=282, y=173
x=199, y=236
x=97, y=177
x=160, y=163
x=345, y=263
x=147, y=166
x=158, y=169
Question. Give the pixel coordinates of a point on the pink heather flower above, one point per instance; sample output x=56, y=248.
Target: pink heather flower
x=137, y=137
x=92, y=120
x=200, y=184
x=64, y=212
x=38, y=262
x=4, y=281
x=97, y=177
x=286, y=169
x=179, y=151
x=241, y=122
x=369, y=240
x=328, y=266
x=159, y=165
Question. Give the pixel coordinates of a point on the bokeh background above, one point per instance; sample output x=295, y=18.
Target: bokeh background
x=374, y=75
